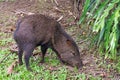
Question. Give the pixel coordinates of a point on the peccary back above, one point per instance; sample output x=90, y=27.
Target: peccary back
x=39, y=30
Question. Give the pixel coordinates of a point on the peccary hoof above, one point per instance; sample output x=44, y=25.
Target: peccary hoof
x=29, y=69
x=42, y=61
x=20, y=63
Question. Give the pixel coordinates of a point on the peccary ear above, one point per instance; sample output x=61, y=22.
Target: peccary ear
x=69, y=42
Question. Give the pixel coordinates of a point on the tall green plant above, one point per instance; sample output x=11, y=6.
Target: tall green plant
x=107, y=17
x=85, y=10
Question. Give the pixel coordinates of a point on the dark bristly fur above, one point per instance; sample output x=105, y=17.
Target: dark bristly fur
x=39, y=30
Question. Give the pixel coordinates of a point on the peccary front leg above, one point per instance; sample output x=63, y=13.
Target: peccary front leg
x=43, y=49
x=28, y=53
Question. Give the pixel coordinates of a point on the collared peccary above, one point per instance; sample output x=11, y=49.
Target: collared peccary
x=39, y=30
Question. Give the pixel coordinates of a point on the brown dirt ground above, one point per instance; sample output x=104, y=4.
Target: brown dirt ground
x=11, y=10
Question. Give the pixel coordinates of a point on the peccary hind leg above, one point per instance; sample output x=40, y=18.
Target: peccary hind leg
x=28, y=53
x=20, y=53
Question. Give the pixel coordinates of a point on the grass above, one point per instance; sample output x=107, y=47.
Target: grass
x=45, y=71
x=52, y=69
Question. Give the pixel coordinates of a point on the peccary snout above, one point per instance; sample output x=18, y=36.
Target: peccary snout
x=39, y=30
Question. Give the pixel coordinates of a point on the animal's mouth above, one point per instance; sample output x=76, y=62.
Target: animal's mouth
x=72, y=61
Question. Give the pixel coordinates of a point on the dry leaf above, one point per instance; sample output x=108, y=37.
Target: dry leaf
x=9, y=29
x=60, y=18
x=14, y=48
x=84, y=33
x=103, y=74
x=11, y=67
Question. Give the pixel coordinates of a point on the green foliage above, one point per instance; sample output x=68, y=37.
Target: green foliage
x=85, y=9
x=94, y=78
x=106, y=17
x=80, y=77
x=46, y=71
x=3, y=42
x=117, y=65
